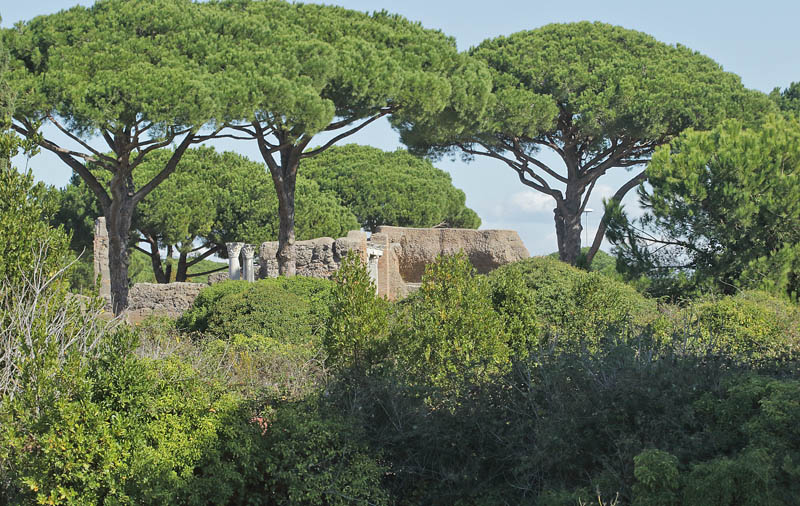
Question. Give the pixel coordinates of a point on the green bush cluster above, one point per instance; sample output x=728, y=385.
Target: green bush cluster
x=749, y=326
x=538, y=384
x=140, y=431
x=566, y=308
x=450, y=335
x=358, y=322
x=282, y=308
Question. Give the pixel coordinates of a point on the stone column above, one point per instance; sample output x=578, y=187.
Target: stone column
x=234, y=270
x=248, y=250
x=373, y=255
x=101, y=268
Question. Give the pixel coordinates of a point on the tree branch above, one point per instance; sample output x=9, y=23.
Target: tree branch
x=67, y=157
x=314, y=152
x=202, y=257
x=166, y=171
x=520, y=154
x=617, y=197
x=195, y=274
x=77, y=139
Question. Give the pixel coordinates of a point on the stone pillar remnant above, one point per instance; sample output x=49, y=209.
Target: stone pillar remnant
x=234, y=269
x=248, y=250
x=101, y=268
x=373, y=255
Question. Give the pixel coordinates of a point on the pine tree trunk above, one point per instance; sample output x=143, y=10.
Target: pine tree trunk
x=180, y=276
x=287, y=258
x=285, y=179
x=155, y=261
x=118, y=223
x=568, y=229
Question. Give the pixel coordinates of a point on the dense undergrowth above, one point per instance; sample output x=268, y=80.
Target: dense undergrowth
x=538, y=384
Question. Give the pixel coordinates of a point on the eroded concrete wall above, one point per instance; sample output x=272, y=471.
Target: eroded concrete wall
x=414, y=248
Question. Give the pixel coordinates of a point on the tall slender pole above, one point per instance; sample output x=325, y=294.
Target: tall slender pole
x=586, y=228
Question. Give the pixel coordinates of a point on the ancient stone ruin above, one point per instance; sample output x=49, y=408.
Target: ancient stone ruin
x=395, y=256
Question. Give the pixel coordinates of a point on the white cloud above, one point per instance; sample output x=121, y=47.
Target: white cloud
x=530, y=201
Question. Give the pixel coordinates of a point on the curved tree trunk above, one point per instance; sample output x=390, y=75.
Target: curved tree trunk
x=567, y=215
x=617, y=197
x=155, y=261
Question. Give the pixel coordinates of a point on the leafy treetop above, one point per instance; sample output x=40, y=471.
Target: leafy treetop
x=723, y=210
x=788, y=100
x=599, y=96
x=383, y=188
x=293, y=70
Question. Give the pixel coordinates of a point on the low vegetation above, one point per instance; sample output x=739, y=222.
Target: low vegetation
x=539, y=383
x=671, y=377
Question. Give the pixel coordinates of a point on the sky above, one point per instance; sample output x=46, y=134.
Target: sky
x=759, y=41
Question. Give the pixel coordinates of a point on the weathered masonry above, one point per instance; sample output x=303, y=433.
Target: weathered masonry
x=395, y=256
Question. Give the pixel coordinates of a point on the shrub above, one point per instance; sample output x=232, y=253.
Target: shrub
x=451, y=335
x=126, y=430
x=265, y=309
x=357, y=326
x=284, y=308
x=257, y=365
x=314, y=457
x=750, y=326
x=656, y=474
x=205, y=304
x=570, y=308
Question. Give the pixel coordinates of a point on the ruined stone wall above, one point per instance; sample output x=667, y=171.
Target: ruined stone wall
x=170, y=299
x=397, y=257
x=317, y=258
x=411, y=249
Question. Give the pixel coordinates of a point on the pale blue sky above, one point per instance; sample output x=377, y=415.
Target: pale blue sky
x=760, y=41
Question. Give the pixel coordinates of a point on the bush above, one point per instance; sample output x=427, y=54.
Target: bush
x=569, y=308
x=314, y=457
x=750, y=326
x=29, y=243
x=205, y=304
x=257, y=365
x=284, y=308
x=131, y=431
x=356, y=330
x=451, y=335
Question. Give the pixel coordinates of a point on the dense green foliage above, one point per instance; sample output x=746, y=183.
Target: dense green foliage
x=396, y=188
x=598, y=96
x=288, y=309
x=24, y=231
x=788, y=99
x=451, y=336
x=722, y=213
x=358, y=322
x=562, y=307
x=750, y=326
